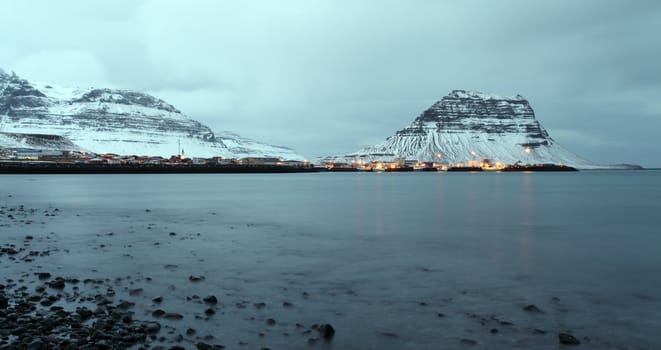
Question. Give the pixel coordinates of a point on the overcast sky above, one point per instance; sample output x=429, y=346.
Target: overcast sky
x=328, y=77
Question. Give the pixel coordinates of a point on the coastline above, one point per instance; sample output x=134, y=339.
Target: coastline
x=71, y=168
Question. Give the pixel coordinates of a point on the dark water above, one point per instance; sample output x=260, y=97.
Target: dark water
x=378, y=255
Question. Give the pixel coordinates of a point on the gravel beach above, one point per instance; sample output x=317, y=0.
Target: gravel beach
x=44, y=307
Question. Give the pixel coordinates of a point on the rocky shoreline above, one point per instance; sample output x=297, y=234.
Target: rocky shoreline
x=44, y=306
x=30, y=320
x=40, y=310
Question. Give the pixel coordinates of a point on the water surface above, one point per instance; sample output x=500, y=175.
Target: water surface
x=379, y=256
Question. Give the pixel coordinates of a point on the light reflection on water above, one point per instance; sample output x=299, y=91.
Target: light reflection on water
x=505, y=217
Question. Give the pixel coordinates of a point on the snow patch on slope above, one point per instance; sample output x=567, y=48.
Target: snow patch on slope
x=245, y=147
x=58, y=92
x=483, y=96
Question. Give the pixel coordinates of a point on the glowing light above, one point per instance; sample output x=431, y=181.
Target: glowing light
x=528, y=150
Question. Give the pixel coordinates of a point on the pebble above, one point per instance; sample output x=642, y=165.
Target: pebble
x=532, y=309
x=173, y=316
x=57, y=283
x=153, y=327
x=125, y=305
x=205, y=346
x=158, y=313
x=568, y=339
x=327, y=331
x=211, y=299
x=389, y=334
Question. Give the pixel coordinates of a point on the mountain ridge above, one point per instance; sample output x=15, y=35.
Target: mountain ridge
x=117, y=121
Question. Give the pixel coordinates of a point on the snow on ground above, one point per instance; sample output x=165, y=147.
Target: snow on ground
x=59, y=92
x=245, y=147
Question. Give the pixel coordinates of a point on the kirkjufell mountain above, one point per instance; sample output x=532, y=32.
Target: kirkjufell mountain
x=105, y=120
x=468, y=125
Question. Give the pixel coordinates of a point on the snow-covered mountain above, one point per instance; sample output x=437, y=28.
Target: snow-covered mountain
x=244, y=147
x=112, y=121
x=468, y=125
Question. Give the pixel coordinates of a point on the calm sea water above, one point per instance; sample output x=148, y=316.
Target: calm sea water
x=379, y=256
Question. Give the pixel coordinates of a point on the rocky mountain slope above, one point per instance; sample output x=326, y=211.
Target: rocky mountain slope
x=37, y=141
x=113, y=121
x=467, y=125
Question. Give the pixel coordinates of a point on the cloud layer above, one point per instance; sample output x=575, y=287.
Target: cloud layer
x=329, y=77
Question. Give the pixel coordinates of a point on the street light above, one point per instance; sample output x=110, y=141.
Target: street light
x=528, y=150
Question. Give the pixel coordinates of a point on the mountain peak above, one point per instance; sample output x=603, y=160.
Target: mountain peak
x=469, y=94
x=465, y=125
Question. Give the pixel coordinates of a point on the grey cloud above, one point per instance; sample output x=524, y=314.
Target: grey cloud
x=329, y=76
